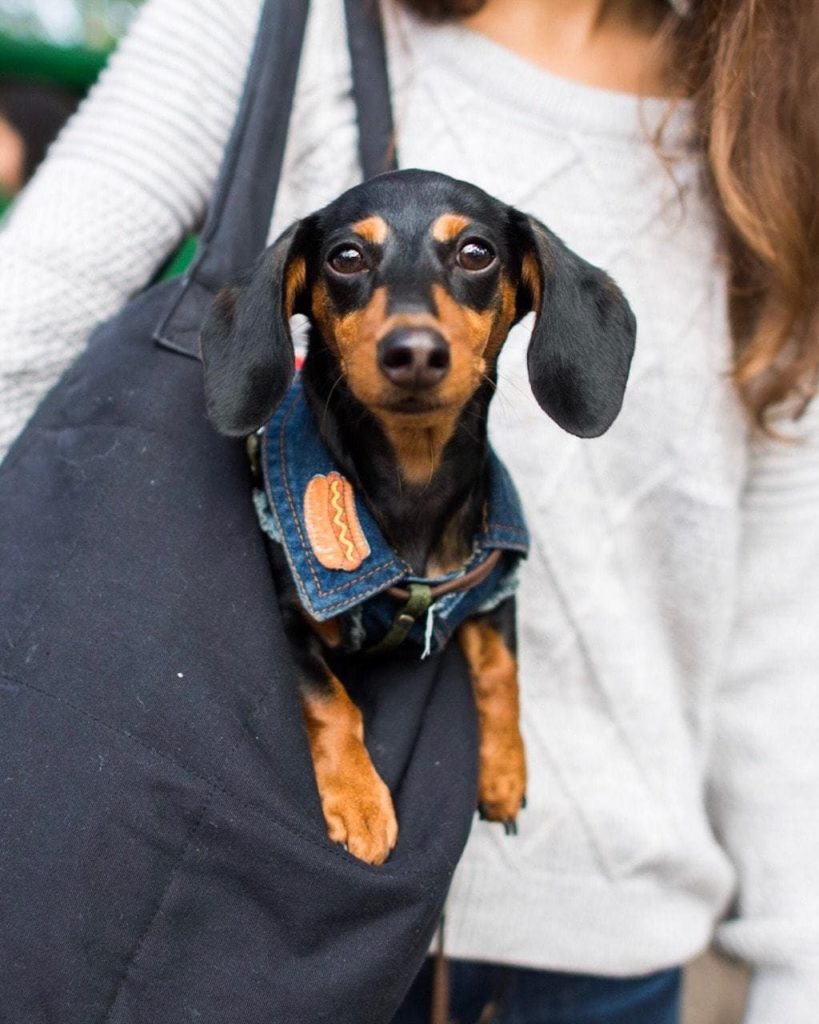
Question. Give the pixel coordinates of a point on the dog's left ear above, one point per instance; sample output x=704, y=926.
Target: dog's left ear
x=247, y=351
x=583, y=338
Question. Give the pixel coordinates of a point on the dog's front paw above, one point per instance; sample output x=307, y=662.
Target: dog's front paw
x=502, y=778
x=357, y=806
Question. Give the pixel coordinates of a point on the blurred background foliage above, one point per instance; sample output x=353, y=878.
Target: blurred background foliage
x=65, y=43
x=87, y=24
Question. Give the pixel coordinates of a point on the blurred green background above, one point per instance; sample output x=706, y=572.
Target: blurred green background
x=63, y=41
x=66, y=42
x=87, y=24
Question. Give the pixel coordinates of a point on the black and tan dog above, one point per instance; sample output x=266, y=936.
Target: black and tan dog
x=411, y=283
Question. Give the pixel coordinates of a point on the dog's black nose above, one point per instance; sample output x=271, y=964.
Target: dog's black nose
x=413, y=357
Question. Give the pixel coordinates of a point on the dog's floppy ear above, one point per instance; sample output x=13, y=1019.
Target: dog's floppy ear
x=247, y=351
x=583, y=338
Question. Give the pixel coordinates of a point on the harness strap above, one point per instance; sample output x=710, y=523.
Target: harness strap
x=418, y=602
x=466, y=582
x=419, y=598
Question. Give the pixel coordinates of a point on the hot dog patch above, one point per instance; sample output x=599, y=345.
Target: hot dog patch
x=332, y=523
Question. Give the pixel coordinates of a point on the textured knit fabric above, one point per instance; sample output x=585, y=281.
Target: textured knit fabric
x=668, y=647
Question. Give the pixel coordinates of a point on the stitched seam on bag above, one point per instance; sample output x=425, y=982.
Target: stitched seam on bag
x=212, y=784
x=160, y=902
x=13, y=643
x=209, y=782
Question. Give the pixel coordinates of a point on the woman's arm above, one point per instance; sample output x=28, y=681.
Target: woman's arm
x=765, y=764
x=128, y=177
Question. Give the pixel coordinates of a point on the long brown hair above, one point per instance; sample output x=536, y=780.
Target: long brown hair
x=751, y=68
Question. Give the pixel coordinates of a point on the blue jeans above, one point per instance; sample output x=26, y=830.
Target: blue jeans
x=545, y=997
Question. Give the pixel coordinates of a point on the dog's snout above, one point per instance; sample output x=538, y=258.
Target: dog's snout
x=413, y=357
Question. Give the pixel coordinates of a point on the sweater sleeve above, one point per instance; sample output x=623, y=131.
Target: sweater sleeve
x=127, y=178
x=765, y=768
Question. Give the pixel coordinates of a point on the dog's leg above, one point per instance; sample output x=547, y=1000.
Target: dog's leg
x=493, y=668
x=356, y=803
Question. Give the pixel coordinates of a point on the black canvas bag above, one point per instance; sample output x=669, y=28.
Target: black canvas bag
x=163, y=857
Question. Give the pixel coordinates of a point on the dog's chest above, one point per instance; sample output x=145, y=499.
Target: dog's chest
x=342, y=567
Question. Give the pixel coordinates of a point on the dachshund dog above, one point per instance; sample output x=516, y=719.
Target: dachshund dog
x=394, y=524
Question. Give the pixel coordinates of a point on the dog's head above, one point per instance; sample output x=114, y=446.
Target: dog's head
x=412, y=282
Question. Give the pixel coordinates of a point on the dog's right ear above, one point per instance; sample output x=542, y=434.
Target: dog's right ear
x=247, y=351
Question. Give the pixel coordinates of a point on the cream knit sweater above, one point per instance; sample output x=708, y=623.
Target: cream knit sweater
x=669, y=609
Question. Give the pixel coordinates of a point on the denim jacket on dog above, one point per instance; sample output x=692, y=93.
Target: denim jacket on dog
x=340, y=562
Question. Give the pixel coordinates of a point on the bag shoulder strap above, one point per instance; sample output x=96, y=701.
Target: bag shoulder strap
x=371, y=89
x=238, y=219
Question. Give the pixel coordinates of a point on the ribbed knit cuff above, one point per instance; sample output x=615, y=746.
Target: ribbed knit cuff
x=784, y=995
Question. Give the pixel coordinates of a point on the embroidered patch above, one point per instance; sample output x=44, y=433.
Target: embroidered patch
x=332, y=523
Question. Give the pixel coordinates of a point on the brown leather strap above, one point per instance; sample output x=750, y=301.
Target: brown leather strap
x=439, y=1004
x=466, y=582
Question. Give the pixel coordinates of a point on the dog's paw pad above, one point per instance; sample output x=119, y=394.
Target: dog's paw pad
x=502, y=780
x=360, y=817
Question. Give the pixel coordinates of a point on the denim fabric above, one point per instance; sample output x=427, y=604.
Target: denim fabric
x=522, y=996
x=293, y=454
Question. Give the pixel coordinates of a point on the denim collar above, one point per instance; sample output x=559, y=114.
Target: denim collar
x=321, y=522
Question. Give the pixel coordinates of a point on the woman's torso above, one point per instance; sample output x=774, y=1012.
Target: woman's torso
x=626, y=600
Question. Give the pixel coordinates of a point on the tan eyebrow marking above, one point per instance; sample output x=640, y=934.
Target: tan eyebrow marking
x=372, y=229
x=530, y=275
x=294, y=280
x=448, y=225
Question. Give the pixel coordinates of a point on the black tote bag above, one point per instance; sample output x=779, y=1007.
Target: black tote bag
x=163, y=856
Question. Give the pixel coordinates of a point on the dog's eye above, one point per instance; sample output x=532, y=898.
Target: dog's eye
x=347, y=260
x=475, y=255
